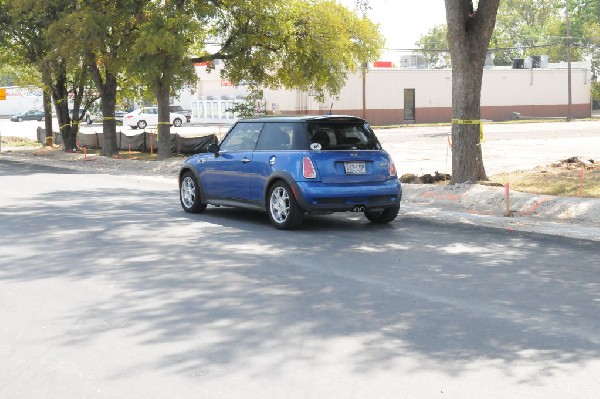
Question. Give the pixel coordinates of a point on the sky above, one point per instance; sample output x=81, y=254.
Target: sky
x=403, y=22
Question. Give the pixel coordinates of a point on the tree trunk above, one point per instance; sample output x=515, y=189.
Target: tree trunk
x=109, y=123
x=60, y=95
x=164, y=120
x=47, y=101
x=469, y=33
x=107, y=87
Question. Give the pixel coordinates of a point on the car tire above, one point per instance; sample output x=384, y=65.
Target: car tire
x=142, y=124
x=383, y=216
x=189, y=194
x=282, y=208
x=19, y=119
x=177, y=122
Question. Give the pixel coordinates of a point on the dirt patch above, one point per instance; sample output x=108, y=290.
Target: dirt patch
x=574, y=177
x=427, y=178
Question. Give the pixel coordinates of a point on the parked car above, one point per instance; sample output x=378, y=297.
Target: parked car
x=31, y=115
x=178, y=109
x=140, y=118
x=289, y=166
x=119, y=115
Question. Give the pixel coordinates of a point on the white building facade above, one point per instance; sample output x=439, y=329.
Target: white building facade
x=412, y=95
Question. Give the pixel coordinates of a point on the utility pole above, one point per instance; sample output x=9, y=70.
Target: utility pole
x=364, y=90
x=570, y=98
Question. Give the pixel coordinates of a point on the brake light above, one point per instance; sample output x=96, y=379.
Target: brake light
x=393, y=171
x=129, y=116
x=308, y=169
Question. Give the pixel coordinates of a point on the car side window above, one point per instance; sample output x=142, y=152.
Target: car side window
x=280, y=136
x=242, y=137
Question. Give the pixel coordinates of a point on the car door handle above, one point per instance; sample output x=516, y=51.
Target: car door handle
x=245, y=160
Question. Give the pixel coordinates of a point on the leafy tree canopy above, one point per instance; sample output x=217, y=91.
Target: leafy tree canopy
x=523, y=27
x=307, y=45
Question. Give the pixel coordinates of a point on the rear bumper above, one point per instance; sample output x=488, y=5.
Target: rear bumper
x=316, y=196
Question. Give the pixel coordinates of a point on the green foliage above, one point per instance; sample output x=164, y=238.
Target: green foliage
x=436, y=44
x=306, y=45
x=523, y=28
x=586, y=25
x=18, y=75
x=161, y=49
x=253, y=105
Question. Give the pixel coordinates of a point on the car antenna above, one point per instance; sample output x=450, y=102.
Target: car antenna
x=331, y=109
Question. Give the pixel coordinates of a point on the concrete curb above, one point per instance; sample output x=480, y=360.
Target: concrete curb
x=477, y=204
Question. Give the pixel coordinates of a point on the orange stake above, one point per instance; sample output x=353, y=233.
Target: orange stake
x=507, y=195
x=581, y=175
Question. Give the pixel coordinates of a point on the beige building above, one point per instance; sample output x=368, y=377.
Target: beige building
x=413, y=95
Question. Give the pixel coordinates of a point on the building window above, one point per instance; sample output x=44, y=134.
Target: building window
x=409, y=104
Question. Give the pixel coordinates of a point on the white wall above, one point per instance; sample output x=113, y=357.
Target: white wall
x=21, y=99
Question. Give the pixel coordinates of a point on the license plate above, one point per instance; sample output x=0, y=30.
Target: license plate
x=355, y=168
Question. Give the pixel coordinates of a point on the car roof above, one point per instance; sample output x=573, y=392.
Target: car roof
x=304, y=118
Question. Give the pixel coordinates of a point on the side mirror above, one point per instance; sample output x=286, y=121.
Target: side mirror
x=214, y=148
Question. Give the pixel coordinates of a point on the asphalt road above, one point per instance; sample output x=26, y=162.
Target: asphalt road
x=109, y=290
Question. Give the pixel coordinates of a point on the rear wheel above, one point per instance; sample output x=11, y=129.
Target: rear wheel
x=189, y=194
x=383, y=216
x=142, y=124
x=283, y=209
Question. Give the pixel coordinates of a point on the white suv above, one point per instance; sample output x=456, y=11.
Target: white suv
x=148, y=116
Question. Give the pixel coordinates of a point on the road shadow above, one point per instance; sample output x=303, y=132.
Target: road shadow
x=449, y=294
x=10, y=167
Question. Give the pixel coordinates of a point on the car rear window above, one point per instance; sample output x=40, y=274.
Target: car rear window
x=342, y=136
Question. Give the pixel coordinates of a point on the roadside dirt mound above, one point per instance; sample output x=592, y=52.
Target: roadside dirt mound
x=426, y=178
x=574, y=163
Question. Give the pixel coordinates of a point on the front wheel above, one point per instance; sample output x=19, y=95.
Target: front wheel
x=283, y=209
x=177, y=122
x=189, y=194
x=383, y=216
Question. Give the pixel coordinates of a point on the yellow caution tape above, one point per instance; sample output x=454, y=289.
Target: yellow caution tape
x=467, y=121
x=472, y=122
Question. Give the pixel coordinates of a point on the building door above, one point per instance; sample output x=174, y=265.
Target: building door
x=409, y=104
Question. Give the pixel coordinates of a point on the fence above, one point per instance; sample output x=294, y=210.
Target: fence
x=140, y=142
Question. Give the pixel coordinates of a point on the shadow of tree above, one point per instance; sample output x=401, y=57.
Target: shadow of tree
x=224, y=287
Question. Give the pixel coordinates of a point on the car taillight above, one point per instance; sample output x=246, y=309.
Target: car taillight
x=393, y=171
x=128, y=116
x=308, y=169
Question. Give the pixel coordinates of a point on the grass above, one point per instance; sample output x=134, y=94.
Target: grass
x=11, y=141
x=136, y=156
x=129, y=155
x=558, y=181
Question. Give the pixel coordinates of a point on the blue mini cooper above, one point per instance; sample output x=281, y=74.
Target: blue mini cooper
x=291, y=165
